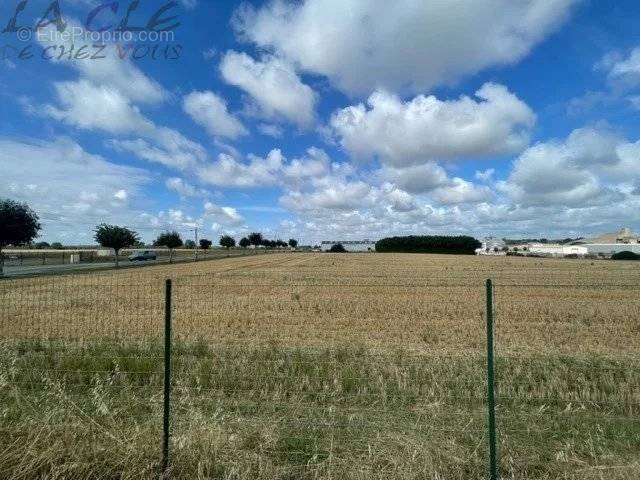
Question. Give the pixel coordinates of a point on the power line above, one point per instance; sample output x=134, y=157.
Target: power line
x=46, y=219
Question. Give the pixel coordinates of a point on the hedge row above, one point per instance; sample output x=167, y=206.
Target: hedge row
x=626, y=255
x=462, y=245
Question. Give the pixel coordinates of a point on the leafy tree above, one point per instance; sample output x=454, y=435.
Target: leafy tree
x=19, y=225
x=338, y=248
x=244, y=242
x=281, y=244
x=293, y=243
x=190, y=244
x=255, y=239
x=227, y=242
x=42, y=245
x=205, y=244
x=112, y=236
x=171, y=240
x=57, y=246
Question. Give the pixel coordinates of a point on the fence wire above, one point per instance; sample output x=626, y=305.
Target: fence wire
x=294, y=373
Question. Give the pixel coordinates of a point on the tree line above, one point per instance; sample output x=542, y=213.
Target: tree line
x=117, y=238
x=20, y=225
x=459, y=245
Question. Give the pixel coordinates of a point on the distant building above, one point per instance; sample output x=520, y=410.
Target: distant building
x=492, y=246
x=351, y=245
x=603, y=245
x=556, y=250
x=611, y=243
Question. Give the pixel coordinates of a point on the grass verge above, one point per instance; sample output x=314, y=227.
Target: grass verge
x=268, y=412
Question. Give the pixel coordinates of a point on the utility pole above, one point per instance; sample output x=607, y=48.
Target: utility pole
x=196, y=249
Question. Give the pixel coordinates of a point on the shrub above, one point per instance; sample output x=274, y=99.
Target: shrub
x=338, y=248
x=626, y=255
x=461, y=245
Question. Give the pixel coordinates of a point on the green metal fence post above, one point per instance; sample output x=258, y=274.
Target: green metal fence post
x=167, y=378
x=491, y=390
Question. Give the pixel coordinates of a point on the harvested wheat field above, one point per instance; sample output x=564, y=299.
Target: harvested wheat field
x=324, y=366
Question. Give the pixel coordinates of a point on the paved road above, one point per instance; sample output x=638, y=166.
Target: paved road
x=36, y=270
x=48, y=269
x=79, y=267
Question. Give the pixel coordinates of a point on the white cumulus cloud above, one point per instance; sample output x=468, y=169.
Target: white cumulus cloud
x=274, y=86
x=228, y=171
x=226, y=216
x=210, y=111
x=589, y=167
x=424, y=128
x=408, y=45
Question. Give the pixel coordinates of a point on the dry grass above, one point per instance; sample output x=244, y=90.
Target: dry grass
x=420, y=303
x=324, y=366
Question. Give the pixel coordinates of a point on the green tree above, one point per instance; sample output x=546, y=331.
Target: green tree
x=113, y=236
x=19, y=225
x=293, y=243
x=255, y=239
x=338, y=248
x=205, y=244
x=244, y=242
x=227, y=242
x=171, y=240
x=57, y=246
x=42, y=245
x=190, y=244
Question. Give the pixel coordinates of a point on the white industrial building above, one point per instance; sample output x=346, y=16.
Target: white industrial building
x=350, y=245
x=611, y=243
x=603, y=246
x=609, y=249
x=556, y=250
x=492, y=246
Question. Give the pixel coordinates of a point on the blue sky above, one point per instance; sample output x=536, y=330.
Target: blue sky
x=325, y=119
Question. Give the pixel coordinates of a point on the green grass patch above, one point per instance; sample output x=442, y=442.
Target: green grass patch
x=275, y=412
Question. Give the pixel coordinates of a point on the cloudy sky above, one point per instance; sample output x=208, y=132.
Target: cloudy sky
x=326, y=119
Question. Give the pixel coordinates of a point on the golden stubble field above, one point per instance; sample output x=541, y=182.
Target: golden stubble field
x=421, y=303
x=320, y=366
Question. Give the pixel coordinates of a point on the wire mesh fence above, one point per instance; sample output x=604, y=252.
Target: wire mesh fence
x=282, y=370
x=29, y=259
